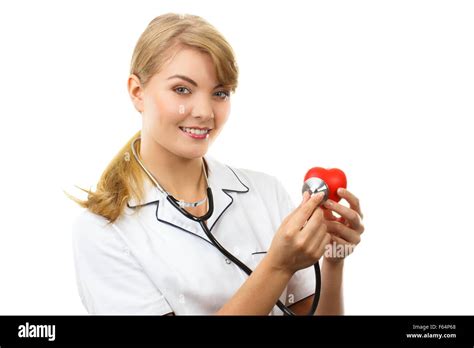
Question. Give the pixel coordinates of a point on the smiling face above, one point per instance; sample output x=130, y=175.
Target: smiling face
x=184, y=93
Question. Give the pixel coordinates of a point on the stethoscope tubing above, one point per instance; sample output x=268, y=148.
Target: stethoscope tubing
x=201, y=220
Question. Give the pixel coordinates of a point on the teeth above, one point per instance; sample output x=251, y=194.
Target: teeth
x=195, y=131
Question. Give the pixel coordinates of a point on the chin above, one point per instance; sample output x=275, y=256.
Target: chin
x=192, y=154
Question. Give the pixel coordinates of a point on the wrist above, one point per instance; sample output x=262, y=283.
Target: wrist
x=334, y=262
x=269, y=262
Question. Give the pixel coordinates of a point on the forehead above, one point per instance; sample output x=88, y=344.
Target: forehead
x=192, y=63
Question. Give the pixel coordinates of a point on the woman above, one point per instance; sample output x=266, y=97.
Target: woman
x=136, y=253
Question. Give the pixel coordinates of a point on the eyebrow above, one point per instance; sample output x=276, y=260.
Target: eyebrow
x=191, y=81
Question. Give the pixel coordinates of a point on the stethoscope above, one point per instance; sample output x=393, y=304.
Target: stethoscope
x=201, y=220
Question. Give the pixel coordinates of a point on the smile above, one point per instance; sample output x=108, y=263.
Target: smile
x=196, y=133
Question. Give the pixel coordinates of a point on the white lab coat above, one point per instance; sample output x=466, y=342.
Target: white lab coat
x=149, y=261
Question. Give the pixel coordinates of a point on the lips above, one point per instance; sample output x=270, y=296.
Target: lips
x=195, y=134
x=194, y=127
x=195, y=130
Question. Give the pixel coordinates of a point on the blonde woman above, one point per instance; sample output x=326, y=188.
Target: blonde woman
x=136, y=253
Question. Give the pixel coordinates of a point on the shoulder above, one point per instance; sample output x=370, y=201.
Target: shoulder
x=86, y=218
x=240, y=179
x=256, y=179
x=270, y=189
x=87, y=222
x=266, y=185
x=92, y=232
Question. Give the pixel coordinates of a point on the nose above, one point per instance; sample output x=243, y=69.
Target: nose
x=203, y=109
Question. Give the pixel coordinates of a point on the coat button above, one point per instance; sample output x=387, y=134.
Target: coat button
x=228, y=261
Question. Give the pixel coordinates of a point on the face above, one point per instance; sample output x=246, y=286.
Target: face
x=182, y=96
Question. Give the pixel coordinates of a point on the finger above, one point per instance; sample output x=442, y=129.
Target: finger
x=338, y=249
x=306, y=196
x=353, y=201
x=315, y=229
x=339, y=240
x=348, y=247
x=328, y=215
x=310, y=229
x=342, y=231
x=304, y=212
x=348, y=214
x=326, y=240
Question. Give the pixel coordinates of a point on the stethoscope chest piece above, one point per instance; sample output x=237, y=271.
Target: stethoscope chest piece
x=316, y=185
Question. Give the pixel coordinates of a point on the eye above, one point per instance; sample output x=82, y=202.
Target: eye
x=182, y=90
x=223, y=94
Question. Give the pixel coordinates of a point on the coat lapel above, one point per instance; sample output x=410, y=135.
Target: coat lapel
x=222, y=180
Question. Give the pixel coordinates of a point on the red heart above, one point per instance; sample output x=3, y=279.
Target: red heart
x=334, y=178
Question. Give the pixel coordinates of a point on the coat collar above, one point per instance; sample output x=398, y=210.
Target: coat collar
x=222, y=180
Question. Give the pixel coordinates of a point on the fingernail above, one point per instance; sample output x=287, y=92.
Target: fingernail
x=340, y=191
x=318, y=195
x=328, y=203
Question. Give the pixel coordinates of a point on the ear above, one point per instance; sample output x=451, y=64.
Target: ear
x=135, y=90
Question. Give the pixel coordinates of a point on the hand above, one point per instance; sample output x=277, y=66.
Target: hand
x=346, y=230
x=301, y=238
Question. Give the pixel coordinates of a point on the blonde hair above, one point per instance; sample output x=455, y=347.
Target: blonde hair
x=123, y=178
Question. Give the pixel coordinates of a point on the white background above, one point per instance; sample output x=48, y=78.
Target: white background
x=381, y=89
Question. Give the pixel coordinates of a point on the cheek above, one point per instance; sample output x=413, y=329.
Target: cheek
x=222, y=112
x=167, y=110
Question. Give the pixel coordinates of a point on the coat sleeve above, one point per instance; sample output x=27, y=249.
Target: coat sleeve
x=109, y=278
x=303, y=282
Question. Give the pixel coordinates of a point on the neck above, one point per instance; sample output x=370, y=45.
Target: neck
x=183, y=178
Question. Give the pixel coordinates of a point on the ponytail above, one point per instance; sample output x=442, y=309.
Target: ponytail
x=121, y=180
